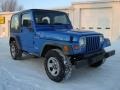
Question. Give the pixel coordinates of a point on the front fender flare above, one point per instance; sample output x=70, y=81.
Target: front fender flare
x=106, y=43
x=59, y=45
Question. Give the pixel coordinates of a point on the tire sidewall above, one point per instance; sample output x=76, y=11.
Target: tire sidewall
x=60, y=59
x=18, y=53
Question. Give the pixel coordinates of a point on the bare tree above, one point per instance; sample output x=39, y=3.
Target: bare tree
x=10, y=5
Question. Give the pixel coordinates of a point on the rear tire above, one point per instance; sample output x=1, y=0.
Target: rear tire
x=97, y=64
x=57, y=66
x=35, y=56
x=16, y=53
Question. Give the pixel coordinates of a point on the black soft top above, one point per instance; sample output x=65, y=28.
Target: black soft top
x=38, y=10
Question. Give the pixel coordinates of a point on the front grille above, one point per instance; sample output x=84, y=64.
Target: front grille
x=92, y=44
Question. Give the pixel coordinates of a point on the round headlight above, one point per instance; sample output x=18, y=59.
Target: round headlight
x=82, y=41
x=101, y=39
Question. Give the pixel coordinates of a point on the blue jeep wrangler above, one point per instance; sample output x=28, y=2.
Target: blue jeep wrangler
x=49, y=34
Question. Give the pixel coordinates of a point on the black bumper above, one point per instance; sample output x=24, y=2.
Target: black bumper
x=109, y=54
x=94, y=57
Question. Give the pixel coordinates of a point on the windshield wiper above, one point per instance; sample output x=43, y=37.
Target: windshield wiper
x=60, y=24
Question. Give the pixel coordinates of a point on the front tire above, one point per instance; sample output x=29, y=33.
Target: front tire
x=15, y=52
x=57, y=66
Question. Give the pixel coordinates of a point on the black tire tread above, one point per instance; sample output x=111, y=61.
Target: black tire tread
x=18, y=55
x=61, y=75
x=98, y=64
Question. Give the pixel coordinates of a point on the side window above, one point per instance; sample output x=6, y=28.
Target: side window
x=15, y=23
x=26, y=19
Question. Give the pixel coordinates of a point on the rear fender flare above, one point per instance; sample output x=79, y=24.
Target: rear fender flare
x=17, y=41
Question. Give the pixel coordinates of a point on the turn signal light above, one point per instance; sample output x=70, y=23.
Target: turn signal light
x=76, y=47
x=66, y=48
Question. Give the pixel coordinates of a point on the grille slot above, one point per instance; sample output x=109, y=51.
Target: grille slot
x=92, y=44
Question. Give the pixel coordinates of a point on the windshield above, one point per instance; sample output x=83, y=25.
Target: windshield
x=51, y=18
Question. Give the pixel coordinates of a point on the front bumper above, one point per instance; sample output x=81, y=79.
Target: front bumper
x=94, y=57
x=110, y=53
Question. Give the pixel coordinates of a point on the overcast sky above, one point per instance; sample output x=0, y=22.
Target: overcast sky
x=47, y=4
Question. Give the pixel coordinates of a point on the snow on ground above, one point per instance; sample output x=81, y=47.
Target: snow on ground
x=29, y=74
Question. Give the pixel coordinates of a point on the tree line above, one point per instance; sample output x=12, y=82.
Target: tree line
x=10, y=5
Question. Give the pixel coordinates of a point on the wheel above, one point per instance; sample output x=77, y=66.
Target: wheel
x=98, y=64
x=57, y=66
x=15, y=52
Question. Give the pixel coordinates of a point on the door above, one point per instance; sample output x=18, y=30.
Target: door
x=98, y=19
x=27, y=32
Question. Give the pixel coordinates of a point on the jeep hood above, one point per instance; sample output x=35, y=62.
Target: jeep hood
x=77, y=33
x=65, y=35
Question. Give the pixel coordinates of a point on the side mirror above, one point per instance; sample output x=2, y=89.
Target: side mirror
x=27, y=23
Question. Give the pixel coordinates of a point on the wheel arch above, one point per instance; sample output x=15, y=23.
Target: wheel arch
x=16, y=40
x=11, y=39
x=48, y=47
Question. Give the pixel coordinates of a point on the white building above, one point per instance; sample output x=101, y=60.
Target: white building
x=101, y=16
x=4, y=23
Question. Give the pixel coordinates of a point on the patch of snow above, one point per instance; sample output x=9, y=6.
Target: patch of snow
x=29, y=74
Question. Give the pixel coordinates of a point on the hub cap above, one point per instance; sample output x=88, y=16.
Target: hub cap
x=13, y=51
x=53, y=66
